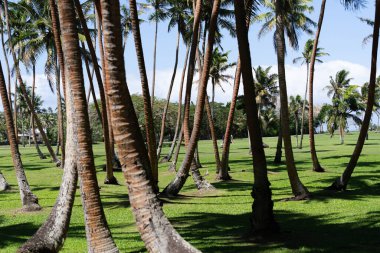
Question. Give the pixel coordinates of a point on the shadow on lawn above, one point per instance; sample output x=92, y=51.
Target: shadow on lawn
x=15, y=234
x=214, y=232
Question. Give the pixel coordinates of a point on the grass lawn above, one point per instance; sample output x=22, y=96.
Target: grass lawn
x=216, y=222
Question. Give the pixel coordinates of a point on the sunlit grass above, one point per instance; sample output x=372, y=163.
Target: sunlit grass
x=218, y=221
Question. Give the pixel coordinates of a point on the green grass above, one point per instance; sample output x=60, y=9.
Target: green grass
x=217, y=222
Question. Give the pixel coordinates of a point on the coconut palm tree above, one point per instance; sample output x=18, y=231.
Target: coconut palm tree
x=262, y=219
x=155, y=229
x=305, y=59
x=288, y=17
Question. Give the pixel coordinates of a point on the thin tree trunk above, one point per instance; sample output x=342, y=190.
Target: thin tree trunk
x=28, y=199
x=154, y=57
x=149, y=125
x=342, y=182
x=173, y=166
x=155, y=229
x=110, y=178
x=341, y=135
x=61, y=129
x=23, y=89
x=15, y=109
x=3, y=183
x=296, y=119
x=176, y=185
x=98, y=235
x=230, y=120
x=6, y=59
x=278, y=156
x=304, y=105
x=316, y=165
x=179, y=111
x=168, y=98
x=262, y=219
x=298, y=189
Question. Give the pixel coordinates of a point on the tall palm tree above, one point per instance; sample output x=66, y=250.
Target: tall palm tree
x=289, y=17
x=305, y=59
x=341, y=183
x=155, y=229
x=262, y=219
x=28, y=199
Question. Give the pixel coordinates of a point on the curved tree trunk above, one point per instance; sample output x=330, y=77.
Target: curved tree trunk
x=179, y=111
x=61, y=129
x=155, y=229
x=230, y=120
x=6, y=59
x=23, y=89
x=304, y=105
x=149, y=125
x=3, y=183
x=110, y=178
x=162, y=133
x=154, y=57
x=298, y=189
x=28, y=199
x=176, y=185
x=278, y=156
x=341, y=183
x=262, y=219
x=316, y=165
x=98, y=235
x=173, y=166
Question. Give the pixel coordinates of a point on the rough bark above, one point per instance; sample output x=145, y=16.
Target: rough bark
x=176, y=185
x=162, y=133
x=110, y=178
x=316, y=165
x=61, y=129
x=342, y=182
x=155, y=229
x=278, y=156
x=3, y=183
x=298, y=189
x=25, y=94
x=28, y=199
x=262, y=218
x=98, y=235
x=5, y=55
x=148, y=114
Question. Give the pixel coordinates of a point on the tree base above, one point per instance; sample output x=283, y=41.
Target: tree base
x=172, y=168
x=112, y=181
x=303, y=196
x=165, y=159
x=58, y=163
x=337, y=186
x=223, y=178
x=31, y=207
x=262, y=235
x=319, y=169
x=206, y=186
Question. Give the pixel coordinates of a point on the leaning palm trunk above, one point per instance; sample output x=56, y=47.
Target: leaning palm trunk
x=156, y=6
x=98, y=235
x=278, y=156
x=25, y=94
x=227, y=135
x=168, y=98
x=298, y=189
x=148, y=114
x=51, y=235
x=316, y=165
x=173, y=166
x=342, y=182
x=176, y=185
x=6, y=58
x=155, y=229
x=179, y=110
x=304, y=106
x=28, y=199
x=3, y=183
x=110, y=178
x=61, y=129
x=262, y=219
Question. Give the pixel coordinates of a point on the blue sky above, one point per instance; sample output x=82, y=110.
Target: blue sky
x=341, y=37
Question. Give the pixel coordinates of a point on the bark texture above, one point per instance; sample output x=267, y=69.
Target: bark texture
x=3, y=183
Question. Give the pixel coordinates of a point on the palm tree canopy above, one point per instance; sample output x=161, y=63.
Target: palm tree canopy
x=307, y=52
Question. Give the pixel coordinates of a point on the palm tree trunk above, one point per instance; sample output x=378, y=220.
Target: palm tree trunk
x=296, y=119
x=110, y=178
x=230, y=120
x=262, y=219
x=175, y=186
x=154, y=56
x=149, y=125
x=341, y=135
x=173, y=166
x=15, y=109
x=28, y=199
x=278, y=156
x=23, y=89
x=168, y=97
x=155, y=229
x=298, y=189
x=3, y=183
x=98, y=235
x=213, y=99
x=40, y=154
x=341, y=183
x=316, y=166
x=304, y=105
x=179, y=110
x=6, y=59
x=61, y=129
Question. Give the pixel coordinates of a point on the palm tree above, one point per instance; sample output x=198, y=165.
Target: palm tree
x=295, y=108
x=305, y=59
x=98, y=234
x=287, y=16
x=155, y=229
x=28, y=199
x=176, y=185
x=3, y=183
x=262, y=219
x=342, y=182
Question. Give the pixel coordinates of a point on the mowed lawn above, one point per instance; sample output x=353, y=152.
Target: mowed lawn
x=218, y=221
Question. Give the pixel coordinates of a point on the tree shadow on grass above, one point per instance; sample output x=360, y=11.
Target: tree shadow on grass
x=16, y=234
x=215, y=232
